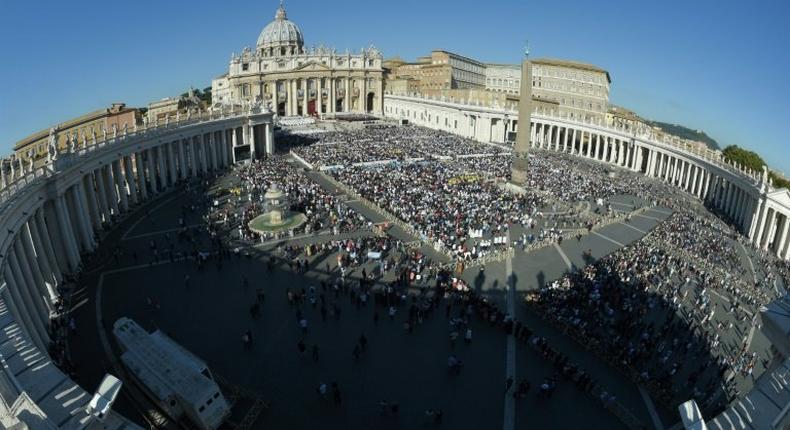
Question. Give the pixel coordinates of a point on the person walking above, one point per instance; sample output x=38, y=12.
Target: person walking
x=508, y=383
x=336, y=394
x=363, y=342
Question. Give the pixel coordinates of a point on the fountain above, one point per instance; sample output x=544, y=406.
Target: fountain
x=277, y=216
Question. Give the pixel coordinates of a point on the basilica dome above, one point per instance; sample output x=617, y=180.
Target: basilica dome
x=280, y=37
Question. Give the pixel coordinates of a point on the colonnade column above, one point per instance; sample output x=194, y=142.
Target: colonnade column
x=152, y=175
x=783, y=239
x=45, y=258
x=138, y=159
x=214, y=145
x=79, y=203
x=36, y=269
x=182, y=165
x=223, y=146
x=110, y=188
x=27, y=311
x=120, y=184
x=171, y=162
x=203, y=156
x=130, y=179
x=26, y=283
x=104, y=206
x=769, y=227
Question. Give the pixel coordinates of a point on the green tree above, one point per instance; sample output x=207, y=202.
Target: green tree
x=752, y=160
x=749, y=159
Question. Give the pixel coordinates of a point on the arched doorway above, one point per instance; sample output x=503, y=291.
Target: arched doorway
x=369, y=104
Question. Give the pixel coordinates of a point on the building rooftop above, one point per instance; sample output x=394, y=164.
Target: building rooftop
x=115, y=108
x=572, y=65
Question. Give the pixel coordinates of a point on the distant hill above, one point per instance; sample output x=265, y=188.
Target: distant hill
x=686, y=133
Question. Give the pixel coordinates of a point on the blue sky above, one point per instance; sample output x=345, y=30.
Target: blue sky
x=719, y=66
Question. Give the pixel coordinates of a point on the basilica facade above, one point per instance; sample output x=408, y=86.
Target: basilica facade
x=293, y=80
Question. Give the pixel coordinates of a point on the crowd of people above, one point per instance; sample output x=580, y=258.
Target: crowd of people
x=381, y=142
x=444, y=203
x=245, y=200
x=652, y=313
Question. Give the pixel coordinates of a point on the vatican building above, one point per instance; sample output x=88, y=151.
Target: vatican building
x=292, y=79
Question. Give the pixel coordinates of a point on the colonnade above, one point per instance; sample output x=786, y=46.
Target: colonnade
x=60, y=217
x=53, y=215
x=746, y=200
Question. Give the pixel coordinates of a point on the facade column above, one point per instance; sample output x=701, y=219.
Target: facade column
x=289, y=97
x=620, y=156
x=347, y=95
x=319, y=97
x=305, y=96
x=295, y=100
x=363, y=94
x=331, y=103
x=275, y=100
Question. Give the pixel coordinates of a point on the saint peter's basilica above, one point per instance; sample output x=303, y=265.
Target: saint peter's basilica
x=292, y=79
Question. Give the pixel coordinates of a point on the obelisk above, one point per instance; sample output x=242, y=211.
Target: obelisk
x=518, y=174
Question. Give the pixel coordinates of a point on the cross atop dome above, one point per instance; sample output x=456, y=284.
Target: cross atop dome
x=280, y=15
